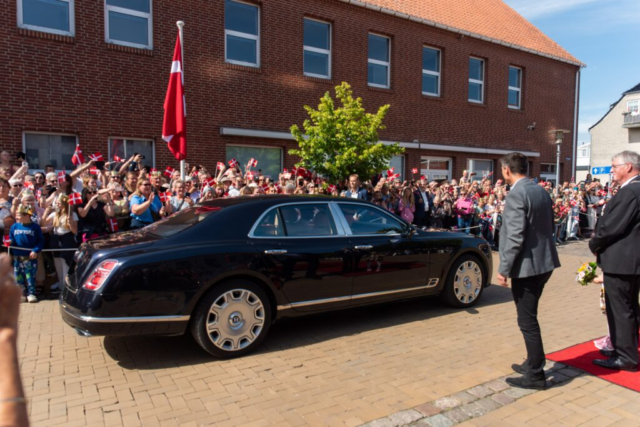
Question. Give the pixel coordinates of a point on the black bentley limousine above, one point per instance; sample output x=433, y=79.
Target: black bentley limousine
x=225, y=270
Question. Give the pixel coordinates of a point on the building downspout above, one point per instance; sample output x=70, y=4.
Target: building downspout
x=575, y=123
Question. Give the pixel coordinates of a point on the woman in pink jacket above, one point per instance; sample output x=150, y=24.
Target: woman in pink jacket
x=407, y=206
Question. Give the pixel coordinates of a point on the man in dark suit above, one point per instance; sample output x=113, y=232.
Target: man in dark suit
x=423, y=203
x=528, y=255
x=615, y=242
x=355, y=191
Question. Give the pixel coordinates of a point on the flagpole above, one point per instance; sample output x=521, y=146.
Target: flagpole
x=180, y=25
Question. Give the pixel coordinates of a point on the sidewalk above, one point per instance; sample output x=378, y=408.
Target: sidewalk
x=346, y=368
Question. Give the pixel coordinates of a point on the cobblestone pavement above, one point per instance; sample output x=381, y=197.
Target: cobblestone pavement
x=346, y=368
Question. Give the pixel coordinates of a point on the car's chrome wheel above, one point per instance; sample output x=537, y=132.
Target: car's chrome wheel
x=467, y=282
x=232, y=319
x=235, y=320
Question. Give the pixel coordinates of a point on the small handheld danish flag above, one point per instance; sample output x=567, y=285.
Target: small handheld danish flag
x=75, y=199
x=6, y=240
x=252, y=163
x=332, y=188
x=168, y=171
x=96, y=157
x=390, y=172
x=93, y=171
x=78, y=157
x=250, y=176
x=164, y=197
x=113, y=225
x=118, y=159
x=414, y=171
x=209, y=182
x=233, y=163
x=28, y=184
x=62, y=176
x=220, y=166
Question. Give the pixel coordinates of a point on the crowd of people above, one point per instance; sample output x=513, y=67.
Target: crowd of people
x=59, y=210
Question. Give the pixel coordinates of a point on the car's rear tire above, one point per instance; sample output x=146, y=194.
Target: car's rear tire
x=232, y=319
x=465, y=282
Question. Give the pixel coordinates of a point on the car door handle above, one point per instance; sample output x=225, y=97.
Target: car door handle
x=275, y=251
x=363, y=247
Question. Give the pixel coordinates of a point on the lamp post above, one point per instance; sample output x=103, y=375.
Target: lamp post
x=559, y=135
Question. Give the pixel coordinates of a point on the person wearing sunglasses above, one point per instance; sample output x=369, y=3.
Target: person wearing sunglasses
x=145, y=207
x=97, y=205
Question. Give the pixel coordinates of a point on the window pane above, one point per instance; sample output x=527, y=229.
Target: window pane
x=52, y=14
x=378, y=74
x=475, y=92
x=475, y=69
x=139, y=5
x=430, y=84
x=270, y=225
x=128, y=28
x=241, y=17
x=316, y=63
x=378, y=48
x=366, y=220
x=316, y=34
x=397, y=162
x=514, y=77
x=513, y=98
x=308, y=220
x=141, y=147
x=269, y=159
x=431, y=59
x=481, y=168
x=241, y=49
x=56, y=150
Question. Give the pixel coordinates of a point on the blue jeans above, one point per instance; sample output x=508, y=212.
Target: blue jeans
x=464, y=223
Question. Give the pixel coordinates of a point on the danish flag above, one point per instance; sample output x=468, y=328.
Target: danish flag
x=250, y=176
x=28, y=184
x=174, y=126
x=6, y=240
x=75, y=199
x=221, y=166
x=168, y=171
x=78, y=157
x=332, y=188
x=233, y=163
x=62, y=176
x=152, y=170
x=96, y=157
x=113, y=225
x=414, y=171
x=209, y=182
x=252, y=163
x=390, y=172
x=117, y=159
x=423, y=177
x=93, y=171
x=164, y=197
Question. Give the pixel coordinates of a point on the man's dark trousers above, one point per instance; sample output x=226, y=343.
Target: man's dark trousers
x=623, y=314
x=526, y=294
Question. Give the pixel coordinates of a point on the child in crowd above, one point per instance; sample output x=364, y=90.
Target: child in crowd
x=26, y=234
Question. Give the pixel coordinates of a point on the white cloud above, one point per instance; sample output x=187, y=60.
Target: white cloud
x=532, y=9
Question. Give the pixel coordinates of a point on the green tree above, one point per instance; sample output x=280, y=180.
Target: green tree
x=339, y=141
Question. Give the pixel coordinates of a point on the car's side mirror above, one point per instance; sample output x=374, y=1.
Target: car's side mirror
x=410, y=231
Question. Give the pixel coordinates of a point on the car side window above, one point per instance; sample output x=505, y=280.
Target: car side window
x=365, y=220
x=270, y=225
x=309, y=219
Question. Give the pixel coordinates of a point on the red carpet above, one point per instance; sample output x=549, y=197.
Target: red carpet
x=581, y=356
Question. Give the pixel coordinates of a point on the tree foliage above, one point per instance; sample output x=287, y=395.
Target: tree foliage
x=340, y=140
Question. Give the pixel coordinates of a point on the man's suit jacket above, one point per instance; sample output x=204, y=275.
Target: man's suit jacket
x=617, y=234
x=527, y=245
x=362, y=194
x=419, y=201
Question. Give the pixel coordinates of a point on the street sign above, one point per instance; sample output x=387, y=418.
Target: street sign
x=601, y=170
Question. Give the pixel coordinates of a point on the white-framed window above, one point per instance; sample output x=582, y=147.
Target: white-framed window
x=431, y=60
x=49, y=16
x=269, y=158
x=436, y=168
x=479, y=168
x=55, y=149
x=379, y=62
x=633, y=106
x=476, y=80
x=242, y=33
x=317, y=49
x=515, y=88
x=127, y=147
x=129, y=23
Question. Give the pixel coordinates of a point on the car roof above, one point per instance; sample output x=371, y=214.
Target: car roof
x=274, y=199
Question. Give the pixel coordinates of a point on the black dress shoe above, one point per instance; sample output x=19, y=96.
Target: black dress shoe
x=608, y=353
x=525, y=382
x=616, y=364
x=519, y=369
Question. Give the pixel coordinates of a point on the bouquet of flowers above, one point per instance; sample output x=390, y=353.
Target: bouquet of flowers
x=586, y=273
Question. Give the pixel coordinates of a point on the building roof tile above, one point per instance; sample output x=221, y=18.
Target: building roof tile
x=491, y=19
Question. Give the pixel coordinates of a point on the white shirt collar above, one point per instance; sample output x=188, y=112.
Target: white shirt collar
x=514, y=184
x=629, y=180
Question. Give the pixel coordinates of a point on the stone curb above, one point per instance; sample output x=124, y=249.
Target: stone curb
x=472, y=403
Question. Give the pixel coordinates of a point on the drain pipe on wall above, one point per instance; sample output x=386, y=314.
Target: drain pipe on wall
x=575, y=123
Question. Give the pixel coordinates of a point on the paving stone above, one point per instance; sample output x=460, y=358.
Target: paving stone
x=381, y=422
x=438, y=421
x=569, y=373
x=517, y=392
x=447, y=403
x=428, y=409
x=457, y=415
x=497, y=385
x=502, y=398
x=405, y=417
x=465, y=397
x=481, y=407
x=481, y=391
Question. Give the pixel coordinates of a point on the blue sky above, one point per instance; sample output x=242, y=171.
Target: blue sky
x=603, y=34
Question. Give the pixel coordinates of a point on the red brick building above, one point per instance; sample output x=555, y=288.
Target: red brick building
x=467, y=82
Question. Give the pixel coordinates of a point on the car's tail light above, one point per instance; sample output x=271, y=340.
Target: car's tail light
x=100, y=275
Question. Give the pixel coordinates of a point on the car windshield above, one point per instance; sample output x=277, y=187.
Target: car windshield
x=180, y=221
